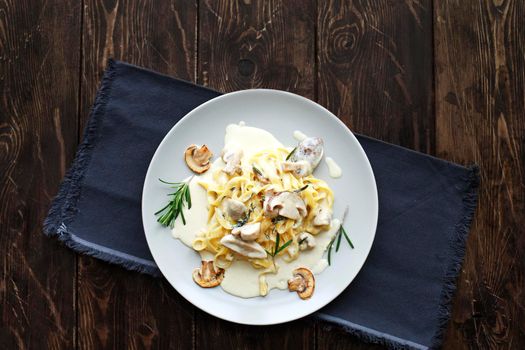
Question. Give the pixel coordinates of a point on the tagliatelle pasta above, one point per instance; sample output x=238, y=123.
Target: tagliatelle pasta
x=259, y=218
x=248, y=188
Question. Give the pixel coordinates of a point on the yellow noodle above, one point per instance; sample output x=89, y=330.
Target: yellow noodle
x=249, y=189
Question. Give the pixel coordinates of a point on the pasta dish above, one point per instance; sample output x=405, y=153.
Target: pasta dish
x=258, y=216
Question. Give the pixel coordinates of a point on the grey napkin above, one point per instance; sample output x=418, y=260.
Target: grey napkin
x=401, y=296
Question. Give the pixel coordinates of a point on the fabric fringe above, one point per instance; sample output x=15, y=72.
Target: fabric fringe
x=458, y=246
x=63, y=207
x=366, y=335
x=67, y=239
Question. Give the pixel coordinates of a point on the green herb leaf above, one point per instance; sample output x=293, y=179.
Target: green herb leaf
x=291, y=153
x=347, y=239
x=330, y=253
x=338, y=241
x=175, y=206
x=281, y=248
x=170, y=183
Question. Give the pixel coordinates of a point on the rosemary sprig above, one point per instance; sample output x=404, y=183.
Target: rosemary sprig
x=175, y=206
x=277, y=249
x=337, y=238
x=291, y=153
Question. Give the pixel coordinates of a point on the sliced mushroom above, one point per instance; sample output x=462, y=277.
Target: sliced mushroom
x=248, y=249
x=323, y=217
x=299, y=169
x=310, y=150
x=232, y=158
x=248, y=232
x=198, y=158
x=207, y=276
x=302, y=282
x=235, y=209
x=306, y=241
x=287, y=204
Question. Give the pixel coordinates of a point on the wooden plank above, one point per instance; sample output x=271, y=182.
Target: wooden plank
x=120, y=309
x=375, y=73
x=246, y=44
x=375, y=68
x=39, y=51
x=480, y=79
x=260, y=44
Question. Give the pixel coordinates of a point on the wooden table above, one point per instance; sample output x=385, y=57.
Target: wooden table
x=444, y=77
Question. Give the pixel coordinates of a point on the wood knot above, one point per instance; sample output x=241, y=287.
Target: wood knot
x=246, y=67
x=344, y=39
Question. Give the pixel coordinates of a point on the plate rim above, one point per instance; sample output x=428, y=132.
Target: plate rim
x=311, y=103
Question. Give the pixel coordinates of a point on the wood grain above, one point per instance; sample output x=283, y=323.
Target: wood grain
x=375, y=72
x=264, y=44
x=39, y=94
x=375, y=68
x=245, y=44
x=370, y=62
x=480, y=79
x=120, y=309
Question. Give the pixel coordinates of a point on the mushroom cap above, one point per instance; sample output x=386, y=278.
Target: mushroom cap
x=206, y=276
x=303, y=282
x=236, y=210
x=285, y=203
x=198, y=158
x=310, y=150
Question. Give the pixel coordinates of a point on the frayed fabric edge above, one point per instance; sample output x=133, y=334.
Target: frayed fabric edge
x=63, y=210
x=458, y=246
x=63, y=206
x=106, y=254
x=365, y=334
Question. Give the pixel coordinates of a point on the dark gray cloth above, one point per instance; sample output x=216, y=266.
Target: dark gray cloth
x=400, y=298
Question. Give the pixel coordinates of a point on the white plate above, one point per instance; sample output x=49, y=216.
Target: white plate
x=280, y=113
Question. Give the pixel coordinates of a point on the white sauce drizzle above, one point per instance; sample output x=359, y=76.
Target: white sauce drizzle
x=299, y=136
x=241, y=279
x=334, y=169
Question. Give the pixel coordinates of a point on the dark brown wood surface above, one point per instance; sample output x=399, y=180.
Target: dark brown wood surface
x=445, y=77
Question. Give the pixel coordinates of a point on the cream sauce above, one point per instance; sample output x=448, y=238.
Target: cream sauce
x=299, y=136
x=241, y=279
x=334, y=169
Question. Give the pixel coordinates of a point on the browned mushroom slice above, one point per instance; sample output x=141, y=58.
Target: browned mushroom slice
x=206, y=276
x=198, y=158
x=302, y=282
